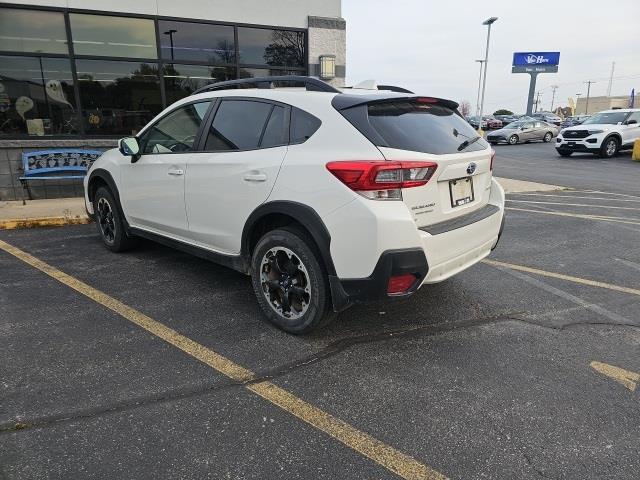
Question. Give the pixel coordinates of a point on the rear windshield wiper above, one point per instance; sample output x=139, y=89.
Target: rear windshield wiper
x=466, y=143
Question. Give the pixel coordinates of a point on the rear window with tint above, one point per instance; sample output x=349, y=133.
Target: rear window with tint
x=303, y=125
x=422, y=127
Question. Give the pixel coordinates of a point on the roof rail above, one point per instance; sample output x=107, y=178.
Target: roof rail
x=310, y=83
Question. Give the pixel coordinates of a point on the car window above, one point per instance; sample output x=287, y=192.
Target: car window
x=528, y=125
x=634, y=116
x=421, y=127
x=175, y=132
x=538, y=125
x=238, y=125
x=303, y=125
x=275, y=133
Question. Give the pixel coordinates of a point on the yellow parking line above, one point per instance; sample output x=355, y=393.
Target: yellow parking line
x=577, y=215
x=573, y=204
x=620, y=375
x=561, y=276
x=395, y=461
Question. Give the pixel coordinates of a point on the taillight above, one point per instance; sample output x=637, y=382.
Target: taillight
x=400, y=283
x=382, y=180
x=493, y=155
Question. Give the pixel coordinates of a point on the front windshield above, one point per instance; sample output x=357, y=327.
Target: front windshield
x=611, y=118
x=514, y=125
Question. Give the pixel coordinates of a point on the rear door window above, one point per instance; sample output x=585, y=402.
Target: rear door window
x=421, y=127
x=275, y=133
x=238, y=125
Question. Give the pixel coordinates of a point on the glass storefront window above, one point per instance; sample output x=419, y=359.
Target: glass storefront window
x=182, y=80
x=262, y=46
x=267, y=72
x=36, y=97
x=113, y=36
x=118, y=98
x=200, y=42
x=32, y=31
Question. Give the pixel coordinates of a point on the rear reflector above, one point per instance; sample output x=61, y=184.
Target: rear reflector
x=382, y=180
x=400, y=283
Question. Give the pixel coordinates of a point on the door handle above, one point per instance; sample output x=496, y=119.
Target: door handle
x=176, y=172
x=255, y=177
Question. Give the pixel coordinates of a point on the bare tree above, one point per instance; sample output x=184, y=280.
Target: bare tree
x=464, y=108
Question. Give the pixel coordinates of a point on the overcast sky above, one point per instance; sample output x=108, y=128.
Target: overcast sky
x=430, y=46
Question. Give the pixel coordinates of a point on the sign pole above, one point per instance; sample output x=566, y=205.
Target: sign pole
x=532, y=92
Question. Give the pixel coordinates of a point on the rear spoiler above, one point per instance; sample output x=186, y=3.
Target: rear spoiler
x=345, y=101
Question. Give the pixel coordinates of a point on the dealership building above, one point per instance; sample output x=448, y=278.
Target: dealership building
x=73, y=75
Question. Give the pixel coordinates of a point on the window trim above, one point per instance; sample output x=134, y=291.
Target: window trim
x=213, y=113
x=196, y=141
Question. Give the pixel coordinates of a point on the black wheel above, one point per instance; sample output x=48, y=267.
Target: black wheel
x=547, y=137
x=289, y=281
x=513, y=139
x=564, y=153
x=609, y=147
x=110, y=223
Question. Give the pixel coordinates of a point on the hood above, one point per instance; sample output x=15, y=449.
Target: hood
x=503, y=131
x=591, y=126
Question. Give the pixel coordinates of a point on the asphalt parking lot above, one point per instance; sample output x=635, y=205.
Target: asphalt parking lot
x=155, y=364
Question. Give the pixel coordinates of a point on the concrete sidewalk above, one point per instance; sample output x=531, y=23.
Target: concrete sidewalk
x=42, y=213
x=71, y=211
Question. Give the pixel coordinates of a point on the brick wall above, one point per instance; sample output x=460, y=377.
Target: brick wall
x=11, y=168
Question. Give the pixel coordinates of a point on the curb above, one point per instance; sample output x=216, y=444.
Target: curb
x=17, y=223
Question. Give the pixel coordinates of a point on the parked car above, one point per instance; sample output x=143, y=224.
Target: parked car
x=573, y=121
x=548, y=117
x=507, y=119
x=493, y=122
x=604, y=134
x=475, y=122
x=523, y=131
x=324, y=198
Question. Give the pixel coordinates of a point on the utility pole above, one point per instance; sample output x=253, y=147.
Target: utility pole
x=553, y=95
x=613, y=67
x=538, y=99
x=575, y=110
x=586, y=108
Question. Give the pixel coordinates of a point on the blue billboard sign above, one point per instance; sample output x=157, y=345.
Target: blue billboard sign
x=529, y=59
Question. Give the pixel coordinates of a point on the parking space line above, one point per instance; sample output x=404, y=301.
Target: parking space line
x=620, y=375
x=572, y=197
x=615, y=207
x=561, y=276
x=608, y=193
x=393, y=460
x=578, y=215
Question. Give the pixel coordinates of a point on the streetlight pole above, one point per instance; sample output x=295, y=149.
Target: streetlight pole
x=488, y=22
x=170, y=32
x=479, y=85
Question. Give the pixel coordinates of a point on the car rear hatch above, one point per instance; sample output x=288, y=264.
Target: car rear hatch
x=419, y=131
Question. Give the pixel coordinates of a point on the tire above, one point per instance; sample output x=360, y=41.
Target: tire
x=564, y=154
x=513, y=139
x=110, y=222
x=285, y=265
x=493, y=143
x=547, y=137
x=609, y=147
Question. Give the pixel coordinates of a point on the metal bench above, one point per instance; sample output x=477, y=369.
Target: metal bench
x=62, y=164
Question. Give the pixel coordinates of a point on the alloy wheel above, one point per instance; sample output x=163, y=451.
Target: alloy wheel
x=105, y=220
x=285, y=282
x=610, y=149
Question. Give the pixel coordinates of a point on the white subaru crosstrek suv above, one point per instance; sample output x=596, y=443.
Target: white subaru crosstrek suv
x=326, y=198
x=604, y=134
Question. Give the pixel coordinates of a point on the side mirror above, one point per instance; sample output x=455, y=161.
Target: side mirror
x=631, y=122
x=129, y=147
x=523, y=128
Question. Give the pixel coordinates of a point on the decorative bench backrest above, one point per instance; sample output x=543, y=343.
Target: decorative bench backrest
x=64, y=160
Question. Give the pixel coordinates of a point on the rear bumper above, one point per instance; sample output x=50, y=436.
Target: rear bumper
x=445, y=249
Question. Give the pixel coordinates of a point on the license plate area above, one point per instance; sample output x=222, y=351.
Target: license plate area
x=461, y=191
